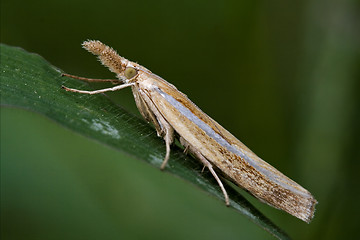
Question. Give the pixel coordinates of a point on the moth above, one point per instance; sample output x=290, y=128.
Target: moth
x=171, y=111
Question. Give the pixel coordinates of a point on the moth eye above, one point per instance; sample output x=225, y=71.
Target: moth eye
x=130, y=72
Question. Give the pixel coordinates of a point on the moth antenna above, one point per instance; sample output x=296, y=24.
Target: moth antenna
x=107, y=56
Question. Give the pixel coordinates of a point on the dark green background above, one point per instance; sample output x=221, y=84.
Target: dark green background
x=282, y=76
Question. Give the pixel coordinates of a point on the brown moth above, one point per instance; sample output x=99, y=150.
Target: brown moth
x=170, y=111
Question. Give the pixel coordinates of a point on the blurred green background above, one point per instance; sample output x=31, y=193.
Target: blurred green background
x=282, y=76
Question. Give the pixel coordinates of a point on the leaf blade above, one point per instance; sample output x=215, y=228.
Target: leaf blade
x=28, y=81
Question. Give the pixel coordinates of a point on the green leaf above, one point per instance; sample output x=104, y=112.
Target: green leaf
x=30, y=82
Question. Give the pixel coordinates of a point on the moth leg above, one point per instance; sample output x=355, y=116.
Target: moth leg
x=114, y=81
x=209, y=166
x=145, y=110
x=169, y=138
x=206, y=163
x=186, y=150
x=152, y=114
x=99, y=91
